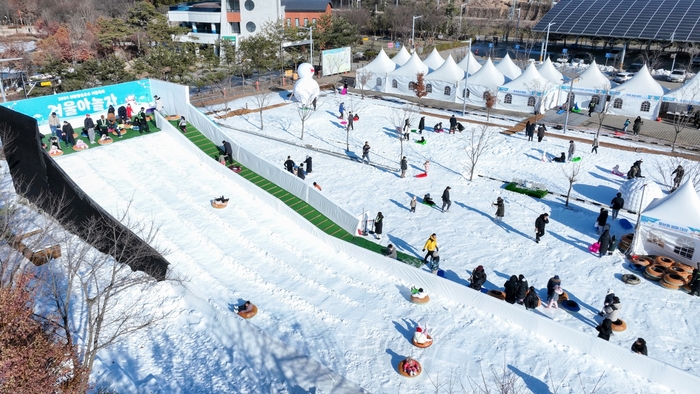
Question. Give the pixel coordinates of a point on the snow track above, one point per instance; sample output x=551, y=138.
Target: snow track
x=349, y=316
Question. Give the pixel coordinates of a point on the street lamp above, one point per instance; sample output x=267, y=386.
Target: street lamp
x=413, y=31
x=546, y=41
x=466, y=79
x=568, y=102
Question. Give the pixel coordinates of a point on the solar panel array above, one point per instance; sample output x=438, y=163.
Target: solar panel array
x=659, y=20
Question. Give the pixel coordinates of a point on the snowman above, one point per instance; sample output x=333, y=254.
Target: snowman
x=306, y=88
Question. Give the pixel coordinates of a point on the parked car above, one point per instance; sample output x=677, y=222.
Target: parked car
x=677, y=76
x=623, y=77
x=696, y=60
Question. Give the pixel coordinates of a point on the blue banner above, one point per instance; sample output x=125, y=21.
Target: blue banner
x=81, y=102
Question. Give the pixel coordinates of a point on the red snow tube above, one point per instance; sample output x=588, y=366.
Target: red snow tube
x=248, y=315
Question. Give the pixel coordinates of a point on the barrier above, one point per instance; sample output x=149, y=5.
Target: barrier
x=586, y=343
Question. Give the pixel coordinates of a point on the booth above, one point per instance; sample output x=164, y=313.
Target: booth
x=640, y=96
x=488, y=78
x=377, y=71
x=401, y=80
x=442, y=83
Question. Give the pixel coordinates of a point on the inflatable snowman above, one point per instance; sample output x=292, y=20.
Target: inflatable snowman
x=306, y=88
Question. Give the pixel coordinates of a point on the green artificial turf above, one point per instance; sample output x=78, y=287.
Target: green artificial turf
x=125, y=136
x=513, y=187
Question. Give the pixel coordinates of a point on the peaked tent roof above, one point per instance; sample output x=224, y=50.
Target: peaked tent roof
x=412, y=67
x=508, y=68
x=381, y=64
x=642, y=84
x=488, y=75
x=474, y=65
x=689, y=93
x=401, y=57
x=530, y=80
x=449, y=71
x=434, y=61
x=548, y=71
x=681, y=207
x=592, y=78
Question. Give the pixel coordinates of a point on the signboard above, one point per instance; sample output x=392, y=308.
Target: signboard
x=230, y=38
x=490, y=45
x=564, y=50
x=609, y=56
x=365, y=38
x=336, y=61
x=517, y=46
x=81, y=102
x=390, y=45
x=397, y=45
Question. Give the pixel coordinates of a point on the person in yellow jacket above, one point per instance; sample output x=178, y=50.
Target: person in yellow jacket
x=431, y=245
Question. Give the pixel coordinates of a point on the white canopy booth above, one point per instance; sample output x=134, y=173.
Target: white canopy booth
x=442, y=83
x=640, y=96
x=402, y=57
x=469, y=64
x=551, y=74
x=528, y=93
x=375, y=72
x=488, y=78
x=434, y=61
x=670, y=226
x=678, y=100
x=508, y=68
x=401, y=80
x=590, y=85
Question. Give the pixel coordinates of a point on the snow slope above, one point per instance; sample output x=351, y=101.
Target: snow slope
x=343, y=313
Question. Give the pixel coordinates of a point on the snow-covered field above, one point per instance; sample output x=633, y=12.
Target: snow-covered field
x=320, y=307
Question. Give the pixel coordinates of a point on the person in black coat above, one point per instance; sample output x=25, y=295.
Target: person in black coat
x=605, y=329
x=68, y=133
x=604, y=242
x=300, y=171
x=453, y=124
x=616, y=204
x=478, y=278
x=421, y=125
x=288, y=164
x=511, y=289
x=602, y=220
x=694, y=282
x=540, y=223
x=308, y=164
x=638, y=164
x=531, y=299
x=522, y=289
x=122, y=114
x=552, y=284
x=540, y=132
x=378, y=224
x=640, y=346
x=228, y=150
x=446, y=202
x=609, y=299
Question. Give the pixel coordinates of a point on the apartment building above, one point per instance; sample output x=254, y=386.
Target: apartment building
x=210, y=21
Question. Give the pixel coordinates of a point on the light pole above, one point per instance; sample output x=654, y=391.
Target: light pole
x=466, y=79
x=546, y=41
x=517, y=27
x=413, y=32
x=461, y=15
x=311, y=33
x=568, y=102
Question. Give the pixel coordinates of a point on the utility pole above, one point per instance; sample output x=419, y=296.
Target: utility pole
x=466, y=79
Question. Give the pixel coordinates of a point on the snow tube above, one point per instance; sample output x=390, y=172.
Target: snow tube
x=441, y=273
x=688, y=269
x=563, y=297
x=421, y=142
x=173, y=117
x=626, y=225
x=686, y=289
x=404, y=373
x=484, y=290
x=423, y=345
x=664, y=261
x=497, y=294
x=674, y=279
x=674, y=269
x=105, y=141
x=575, y=159
x=79, y=149
x=235, y=169
x=570, y=305
x=423, y=300
x=637, y=267
x=631, y=279
x=248, y=315
x=669, y=286
x=619, y=133
x=422, y=175
x=654, y=272
x=641, y=260
x=219, y=205
x=619, y=325
x=56, y=153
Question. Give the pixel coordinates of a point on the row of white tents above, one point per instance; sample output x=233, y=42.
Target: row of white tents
x=533, y=89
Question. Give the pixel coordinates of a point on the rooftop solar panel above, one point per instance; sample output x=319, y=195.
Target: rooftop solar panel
x=677, y=20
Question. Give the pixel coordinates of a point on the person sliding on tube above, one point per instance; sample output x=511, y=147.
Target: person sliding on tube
x=221, y=200
x=420, y=337
x=410, y=366
x=246, y=307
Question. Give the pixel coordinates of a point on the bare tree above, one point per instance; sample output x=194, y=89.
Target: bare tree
x=116, y=300
x=478, y=143
x=363, y=77
x=399, y=118
x=262, y=99
x=667, y=164
x=503, y=381
x=681, y=119
x=490, y=100
x=304, y=111
x=571, y=171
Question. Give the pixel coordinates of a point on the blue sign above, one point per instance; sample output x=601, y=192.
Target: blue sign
x=564, y=50
x=517, y=46
x=398, y=45
x=81, y=102
x=608, y=55
x=490, y=45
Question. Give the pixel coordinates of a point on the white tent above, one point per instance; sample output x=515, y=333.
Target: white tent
x=688, y=94
x=402, y=57
x=591, y=84
x=375, y=72
x=529, y=92
x=441, y=84
x=487, y=78
x=508, y=68
x=434, y=61
x=401, y=80
x=473, y=64
x=640, y=96
x=670, y=226
x=551, y=74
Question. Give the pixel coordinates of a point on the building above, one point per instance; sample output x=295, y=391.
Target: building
x=210, y=21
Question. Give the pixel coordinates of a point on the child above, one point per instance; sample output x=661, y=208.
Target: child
x=555, y=297
x=317, y=186
x=413, y=204
x=182, y=124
